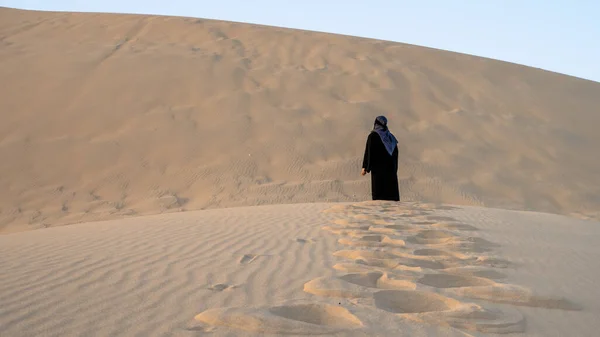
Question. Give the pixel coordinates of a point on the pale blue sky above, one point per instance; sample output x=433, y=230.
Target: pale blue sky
x=561, y=36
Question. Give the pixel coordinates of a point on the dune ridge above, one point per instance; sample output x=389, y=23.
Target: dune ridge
x=107, y=116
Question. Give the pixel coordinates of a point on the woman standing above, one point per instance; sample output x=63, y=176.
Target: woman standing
x=381, y=160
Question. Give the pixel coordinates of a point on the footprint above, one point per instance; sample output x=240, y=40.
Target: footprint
x=442, y=310
x=439, y=253
x=363, y=267
x=432, y=236
x=435, y=238
x=495, y=321
x=348, y=223
x=424, y=264
x=373, y=238
x=372, y=241
x=363, y=254
x=377, y=280
x=457, y=227
x=388, y=260
x=481, y=242
x=220, y=287
x=356, y=285
x=492, y=262
x=453, y=281
x=463, y=245
x=402, y=228
x=476, y=271
x=515, y=295
x=372, y=218
x=390, y=264
x=413, y=301
x=296, y=319
x=393, y=229
x=247, y=258
x=410, y=214
x=347, y=230
x=381, y=230
x=317, y=314
x=354, y=268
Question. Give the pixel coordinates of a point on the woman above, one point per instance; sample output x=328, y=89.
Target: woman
x=381, y=160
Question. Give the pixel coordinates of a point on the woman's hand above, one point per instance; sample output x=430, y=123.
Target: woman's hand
x=363, y=172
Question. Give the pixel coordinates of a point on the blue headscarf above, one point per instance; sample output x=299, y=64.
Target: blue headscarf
x=387, y=137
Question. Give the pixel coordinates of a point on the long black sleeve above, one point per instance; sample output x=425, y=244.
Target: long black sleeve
x=395, y=155
x=367, y=157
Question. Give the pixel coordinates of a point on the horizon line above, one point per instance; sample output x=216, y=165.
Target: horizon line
x=307, y=30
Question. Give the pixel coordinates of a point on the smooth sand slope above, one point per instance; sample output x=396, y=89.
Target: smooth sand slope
x=105, y=116
x=367, y=269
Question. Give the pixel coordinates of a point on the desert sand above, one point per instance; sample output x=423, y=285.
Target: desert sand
x=364, y=269
x=106, y=116
x=164, y=176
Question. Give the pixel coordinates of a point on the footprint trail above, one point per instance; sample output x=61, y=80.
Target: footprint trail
x=399, y=262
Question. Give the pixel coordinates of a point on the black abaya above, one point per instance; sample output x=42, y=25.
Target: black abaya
x=383, y=168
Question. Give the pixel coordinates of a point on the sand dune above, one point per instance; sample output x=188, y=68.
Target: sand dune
x=278, y=269
x=107, y=116
x=118, y=117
